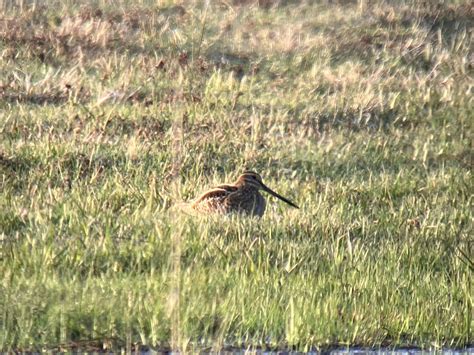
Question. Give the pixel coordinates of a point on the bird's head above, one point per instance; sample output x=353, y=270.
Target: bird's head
x=250, y=178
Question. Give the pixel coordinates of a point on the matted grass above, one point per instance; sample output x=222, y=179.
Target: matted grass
x=112, y=115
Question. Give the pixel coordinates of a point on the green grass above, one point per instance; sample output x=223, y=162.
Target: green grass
x=112, y=116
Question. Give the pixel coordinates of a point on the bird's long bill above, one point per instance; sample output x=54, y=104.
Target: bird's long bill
x=271, y=192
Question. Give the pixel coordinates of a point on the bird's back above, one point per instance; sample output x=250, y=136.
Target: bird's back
x=230, y=198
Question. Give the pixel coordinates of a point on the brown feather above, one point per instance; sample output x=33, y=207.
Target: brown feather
x=214, y=193
x=242, y=197
x=211, y=200
x=230, y=188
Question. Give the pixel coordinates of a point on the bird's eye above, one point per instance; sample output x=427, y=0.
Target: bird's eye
x=254, y=177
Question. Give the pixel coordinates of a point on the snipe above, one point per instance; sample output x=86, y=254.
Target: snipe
x=241, y=197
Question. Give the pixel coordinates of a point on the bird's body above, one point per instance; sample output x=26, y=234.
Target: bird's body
x=242, y=197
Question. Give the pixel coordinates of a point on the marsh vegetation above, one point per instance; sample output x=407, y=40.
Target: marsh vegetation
x=111, y=113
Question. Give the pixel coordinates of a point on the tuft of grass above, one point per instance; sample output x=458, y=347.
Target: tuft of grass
x=113, y=113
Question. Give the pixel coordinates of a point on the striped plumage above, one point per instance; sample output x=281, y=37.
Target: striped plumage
x=242, y=197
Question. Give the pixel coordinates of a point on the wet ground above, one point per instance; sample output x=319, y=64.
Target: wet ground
x=338, y=351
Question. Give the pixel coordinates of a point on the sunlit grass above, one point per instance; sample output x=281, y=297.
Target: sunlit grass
x=111, y=117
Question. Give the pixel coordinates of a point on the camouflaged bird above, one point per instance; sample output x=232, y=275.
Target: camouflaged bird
x=242, y=197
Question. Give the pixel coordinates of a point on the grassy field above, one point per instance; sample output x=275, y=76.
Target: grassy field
x=113, y=113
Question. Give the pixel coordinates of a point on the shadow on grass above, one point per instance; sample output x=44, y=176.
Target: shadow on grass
x=36, y=99
x=20, y=171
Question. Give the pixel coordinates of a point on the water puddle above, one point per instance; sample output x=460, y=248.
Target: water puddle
x=400, y=351
x=337, y=351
